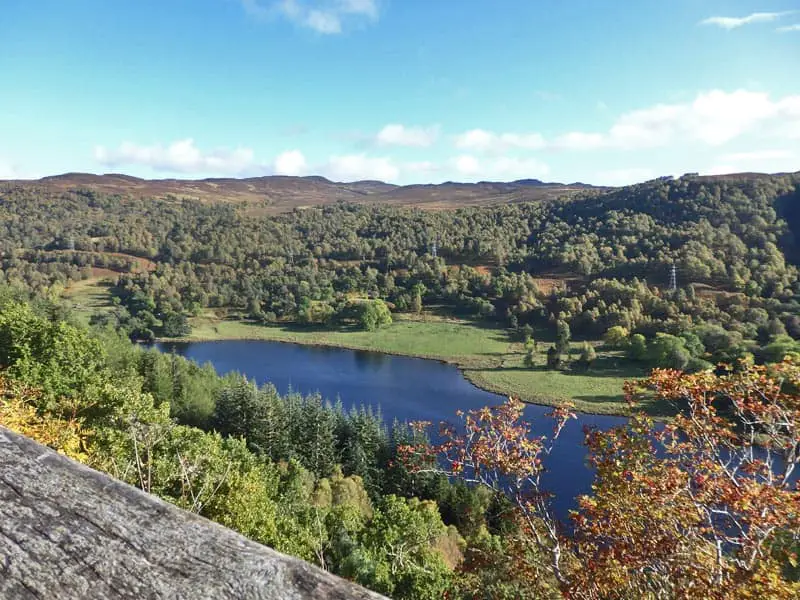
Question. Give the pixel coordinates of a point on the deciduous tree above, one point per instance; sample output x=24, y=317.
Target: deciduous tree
x=703, y=507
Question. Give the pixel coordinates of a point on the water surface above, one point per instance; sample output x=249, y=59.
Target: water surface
x=408, y=389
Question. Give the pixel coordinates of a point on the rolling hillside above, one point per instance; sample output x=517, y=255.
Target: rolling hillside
x=283, y=193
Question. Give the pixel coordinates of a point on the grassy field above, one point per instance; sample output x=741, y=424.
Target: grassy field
x=90, y=296
x=485, y=354
x=454, y=341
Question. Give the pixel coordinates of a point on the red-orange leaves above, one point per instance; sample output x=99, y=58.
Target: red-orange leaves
x=496, y=449
x=695, y=510
x=703, y=507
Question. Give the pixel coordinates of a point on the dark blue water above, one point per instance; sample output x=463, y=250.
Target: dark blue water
x=409, y=389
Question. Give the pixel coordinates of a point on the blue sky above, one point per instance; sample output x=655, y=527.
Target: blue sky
x=408, y=91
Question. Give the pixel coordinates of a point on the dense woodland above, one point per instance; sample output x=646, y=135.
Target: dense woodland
x=385, y=508
x=460, y=514
x=731, y=240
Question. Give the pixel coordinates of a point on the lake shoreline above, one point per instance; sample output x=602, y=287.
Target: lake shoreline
x=397, y=389
x=469, y=370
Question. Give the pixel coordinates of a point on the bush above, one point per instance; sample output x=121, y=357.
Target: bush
x=616, y=337
x=374, y=315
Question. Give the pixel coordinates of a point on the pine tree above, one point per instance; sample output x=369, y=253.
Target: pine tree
x=563, y=336
x=317, y=447
x=177, y=376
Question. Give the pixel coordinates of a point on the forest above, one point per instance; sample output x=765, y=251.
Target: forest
x=458, y=515
x=403, y=508
x=588, y=267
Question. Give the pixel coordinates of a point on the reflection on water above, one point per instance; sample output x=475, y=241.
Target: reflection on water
x=366, y=360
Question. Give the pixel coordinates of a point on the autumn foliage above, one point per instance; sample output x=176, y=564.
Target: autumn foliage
x=705, y=506
x=18, y=414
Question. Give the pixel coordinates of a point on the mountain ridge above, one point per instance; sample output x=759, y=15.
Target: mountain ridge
x=282, y=193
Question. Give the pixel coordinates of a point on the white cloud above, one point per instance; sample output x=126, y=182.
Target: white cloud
x=366, y=8
x=757, y=155
x=480, y=140
x=735, y=22
x=500, y=168
x=323, y=22
x=527, y=141
x=476, y=139
x=185, y=158
x=181, y=156
x=759, y=161
x=323, y=16
x=400, y=135
x=355, y=167
x=421, y=167
x=731, y=131
x=620, y=177
x=721, y=169
x=714, y=118
x=577, y=140
x=795, y=27
x=467, y=165
x=291, y=162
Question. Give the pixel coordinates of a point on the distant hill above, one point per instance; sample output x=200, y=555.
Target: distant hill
x=284, y=193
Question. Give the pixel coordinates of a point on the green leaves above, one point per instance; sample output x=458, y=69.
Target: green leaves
x=374, y=314
x=57, y=358
x=398, y=551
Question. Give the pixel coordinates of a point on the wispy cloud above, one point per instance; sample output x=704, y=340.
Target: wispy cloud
x=354, y=167
x=761, y=161
x=181, y=156
x=756, y=155
x=713, y=118
x=618, y=177
x=472, y=168
x=395, y=134
x=735, y=22
x=291, y=162
x=736, y=130
x=481, y=140
x=323, y=16
x=185, y=158
x=795, y=27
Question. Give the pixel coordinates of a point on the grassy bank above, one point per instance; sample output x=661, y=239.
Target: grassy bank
x=90, y=296
x=485, y=354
